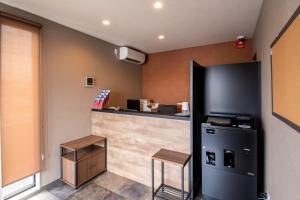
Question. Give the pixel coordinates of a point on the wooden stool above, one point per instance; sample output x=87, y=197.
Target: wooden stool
x=168, y=192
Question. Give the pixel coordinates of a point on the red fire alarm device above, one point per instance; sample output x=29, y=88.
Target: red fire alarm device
x=241, y=42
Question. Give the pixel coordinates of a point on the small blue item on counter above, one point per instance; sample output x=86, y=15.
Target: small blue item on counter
x=244, y=126
x=101, y=99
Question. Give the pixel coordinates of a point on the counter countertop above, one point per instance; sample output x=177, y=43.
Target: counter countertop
x=146, y=114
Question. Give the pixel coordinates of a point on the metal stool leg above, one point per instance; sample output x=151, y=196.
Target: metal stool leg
x=61, y=161
x=152, y=169
x=182, y=183
x=190, y=178
x=162, y=175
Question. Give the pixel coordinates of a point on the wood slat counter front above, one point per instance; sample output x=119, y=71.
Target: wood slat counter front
x=133, y=139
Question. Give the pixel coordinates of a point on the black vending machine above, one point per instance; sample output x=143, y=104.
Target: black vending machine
x=229, y=158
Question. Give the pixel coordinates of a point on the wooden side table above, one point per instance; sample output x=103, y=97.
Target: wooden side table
x=165, y=191
x=83, y=159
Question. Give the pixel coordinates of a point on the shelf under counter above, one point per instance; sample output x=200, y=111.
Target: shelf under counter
x=145, y=114
x=84, y=153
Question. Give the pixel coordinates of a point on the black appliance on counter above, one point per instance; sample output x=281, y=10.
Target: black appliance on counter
x=133, y=104
x=169, y=109
x=229, y=157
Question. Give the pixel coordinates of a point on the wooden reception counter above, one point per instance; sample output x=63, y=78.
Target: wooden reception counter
x=133, y=138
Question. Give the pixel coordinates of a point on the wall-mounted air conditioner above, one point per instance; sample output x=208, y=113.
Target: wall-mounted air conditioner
x=131, y=55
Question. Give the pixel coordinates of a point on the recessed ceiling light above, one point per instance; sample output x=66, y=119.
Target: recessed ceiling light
x=161, y=37
x=106, y=22
x=158, y=5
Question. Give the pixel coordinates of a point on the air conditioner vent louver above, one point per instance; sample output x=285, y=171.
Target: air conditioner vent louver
x=131, y=55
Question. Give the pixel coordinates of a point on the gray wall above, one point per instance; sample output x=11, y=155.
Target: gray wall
x=282, y=143
x=68, y=56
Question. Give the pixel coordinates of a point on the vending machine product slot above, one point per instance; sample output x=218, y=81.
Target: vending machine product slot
x=229, y=158
x=210, y=158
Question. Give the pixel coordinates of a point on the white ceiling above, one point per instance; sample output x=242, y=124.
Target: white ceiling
x=185, y=23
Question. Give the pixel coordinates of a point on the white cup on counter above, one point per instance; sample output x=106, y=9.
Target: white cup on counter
x=185, y=107
x=144, y=105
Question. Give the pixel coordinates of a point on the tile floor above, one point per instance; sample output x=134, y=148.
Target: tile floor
x=107, y=186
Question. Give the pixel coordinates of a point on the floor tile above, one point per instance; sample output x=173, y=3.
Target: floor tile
x=135, y=191
x=60, y=189
x=148, y=196
x=107, y=186
x=44, y=195
x=90, y=192
x=114, y=196
x=111, y=181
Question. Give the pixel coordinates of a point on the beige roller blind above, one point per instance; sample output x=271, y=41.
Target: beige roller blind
x=20, y=100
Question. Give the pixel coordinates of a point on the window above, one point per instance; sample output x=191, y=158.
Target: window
x=18, y=187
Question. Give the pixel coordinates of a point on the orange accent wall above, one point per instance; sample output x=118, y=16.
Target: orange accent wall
x=166, y=74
